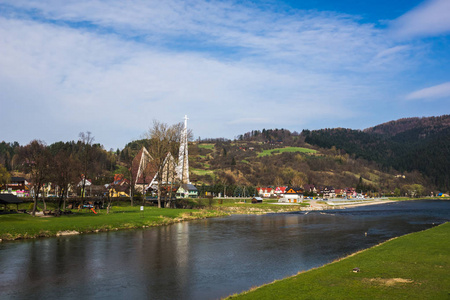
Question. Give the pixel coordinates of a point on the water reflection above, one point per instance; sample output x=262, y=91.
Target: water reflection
x=204, y=259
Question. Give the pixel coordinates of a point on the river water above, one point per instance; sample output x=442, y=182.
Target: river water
x=203, y=259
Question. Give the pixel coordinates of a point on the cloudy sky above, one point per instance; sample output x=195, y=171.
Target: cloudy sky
x=112, y=67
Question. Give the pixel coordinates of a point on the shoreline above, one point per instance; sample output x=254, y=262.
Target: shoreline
x=371, y=269
x=162, y=219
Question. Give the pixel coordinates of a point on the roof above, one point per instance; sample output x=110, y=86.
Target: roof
x=143, y=167
x=294, y=190
x=188, y=187
x=18, y=179
x=281, y=189
x=9, y=199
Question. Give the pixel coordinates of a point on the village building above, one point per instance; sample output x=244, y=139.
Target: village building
x=292, y=195
x=18, y=186
x=280, y=190
x=143, y=170
x=265, y=192
x=257, y=200
x=187, y=190
x=310, y=188
x=328, y=192
x=119, y=187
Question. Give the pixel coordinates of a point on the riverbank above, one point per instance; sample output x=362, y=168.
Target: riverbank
x=414, y=266
x=24, y=226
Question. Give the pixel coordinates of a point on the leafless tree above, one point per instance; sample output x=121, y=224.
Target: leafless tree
x=36, y=162
x=164, y=139
x=63, y=173
x=86, y=140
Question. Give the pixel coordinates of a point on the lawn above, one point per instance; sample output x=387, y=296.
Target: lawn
x=286, y=149
x=415, y=266
x=206, y=146
x=201, y=172
x=16, y=226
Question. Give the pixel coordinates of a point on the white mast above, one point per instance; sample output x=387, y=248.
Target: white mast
x=183, y=161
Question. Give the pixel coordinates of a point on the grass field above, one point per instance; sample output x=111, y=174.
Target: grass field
x=206, y=146
x=286, y=149
x=17, y=226
x=201, y=172
x=415, y=266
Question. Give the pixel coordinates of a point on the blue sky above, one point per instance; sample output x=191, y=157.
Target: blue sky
x=112, y=67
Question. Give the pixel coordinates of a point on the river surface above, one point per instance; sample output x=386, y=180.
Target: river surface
x=203, y=259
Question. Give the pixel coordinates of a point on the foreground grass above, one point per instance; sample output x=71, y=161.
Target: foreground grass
x=415, y=266
x=20, y=226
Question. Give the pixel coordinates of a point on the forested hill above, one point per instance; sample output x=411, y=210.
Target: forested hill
x=416, y=127
x=421, y=144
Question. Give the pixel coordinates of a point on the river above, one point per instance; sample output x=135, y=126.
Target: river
x=202, y=259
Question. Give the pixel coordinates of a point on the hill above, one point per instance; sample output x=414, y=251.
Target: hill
x=412, y=144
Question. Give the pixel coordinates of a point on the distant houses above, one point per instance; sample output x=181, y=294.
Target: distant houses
x=17, y=187
x=292, y=195
x=187, y=190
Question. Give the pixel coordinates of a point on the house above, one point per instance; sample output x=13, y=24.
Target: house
x=310, y=188
x=328, y=192
x=18, y=187
x=187, y=190
x=87, y=185
x=292, y=195
x=120, y=186
x=257, y=200
x=265, y=192
x=279, y=190
x=349, y=192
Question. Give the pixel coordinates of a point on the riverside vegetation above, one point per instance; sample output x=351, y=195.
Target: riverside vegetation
x=414, y=266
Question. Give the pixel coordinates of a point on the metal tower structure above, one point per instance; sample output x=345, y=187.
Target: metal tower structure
x=183, y=161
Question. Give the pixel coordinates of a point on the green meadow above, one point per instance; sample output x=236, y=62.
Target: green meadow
x=414, y=266
x=19, y=226
x=286, y=149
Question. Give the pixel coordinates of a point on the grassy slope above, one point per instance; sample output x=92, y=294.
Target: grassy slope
x=286, y=149
x=415, y=266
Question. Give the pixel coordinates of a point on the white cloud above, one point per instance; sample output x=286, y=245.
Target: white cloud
x=434, y=92
x=432, y=18
x=110, y=67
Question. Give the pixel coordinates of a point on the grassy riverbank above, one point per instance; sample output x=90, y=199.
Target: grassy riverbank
x=22, y=226
x=415, y=266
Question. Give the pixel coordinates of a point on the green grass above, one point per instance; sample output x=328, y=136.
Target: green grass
x=415, y=266
x=16, y=226
x=201, y=172
x=286, y=149
x=206, y=146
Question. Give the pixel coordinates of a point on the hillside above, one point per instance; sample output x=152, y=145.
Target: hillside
x=414, y=144
x=251, y=163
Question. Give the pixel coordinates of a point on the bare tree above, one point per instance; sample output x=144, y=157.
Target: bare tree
x=86, y=141
x=63, y=172
x=164, y=139
x=36, y=161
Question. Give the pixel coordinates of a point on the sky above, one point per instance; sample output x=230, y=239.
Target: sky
x=113, y=67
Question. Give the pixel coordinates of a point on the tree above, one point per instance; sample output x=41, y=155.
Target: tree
x=63, y=172
x=299, y=180
x=86, y=142
x=36, y=161
x=164, y=139
x=5, y=177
